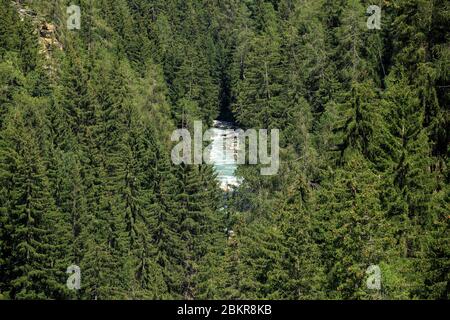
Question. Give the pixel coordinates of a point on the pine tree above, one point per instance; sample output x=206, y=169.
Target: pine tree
x=410, y=187
x=196, y=222
x=28, y=212
x=305, y=276
x=353, y=230
x=9, y=22
x=165, y=227
x=258, y=92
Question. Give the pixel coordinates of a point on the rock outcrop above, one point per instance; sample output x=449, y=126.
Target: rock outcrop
x=48, y=38
x=47, y=31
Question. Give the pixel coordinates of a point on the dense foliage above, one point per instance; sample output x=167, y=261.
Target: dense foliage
x=86, y=176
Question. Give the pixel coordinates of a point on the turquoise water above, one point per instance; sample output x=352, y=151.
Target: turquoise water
x=223, y=154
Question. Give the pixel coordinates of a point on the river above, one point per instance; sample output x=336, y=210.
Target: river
x=223, y=154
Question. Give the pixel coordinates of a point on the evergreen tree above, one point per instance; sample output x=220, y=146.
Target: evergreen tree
x=28, y=212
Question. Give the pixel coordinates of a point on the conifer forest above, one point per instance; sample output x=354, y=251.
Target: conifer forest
x=358, y=90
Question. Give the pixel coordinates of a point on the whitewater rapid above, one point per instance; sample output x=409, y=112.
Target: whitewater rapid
x=223, y=154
